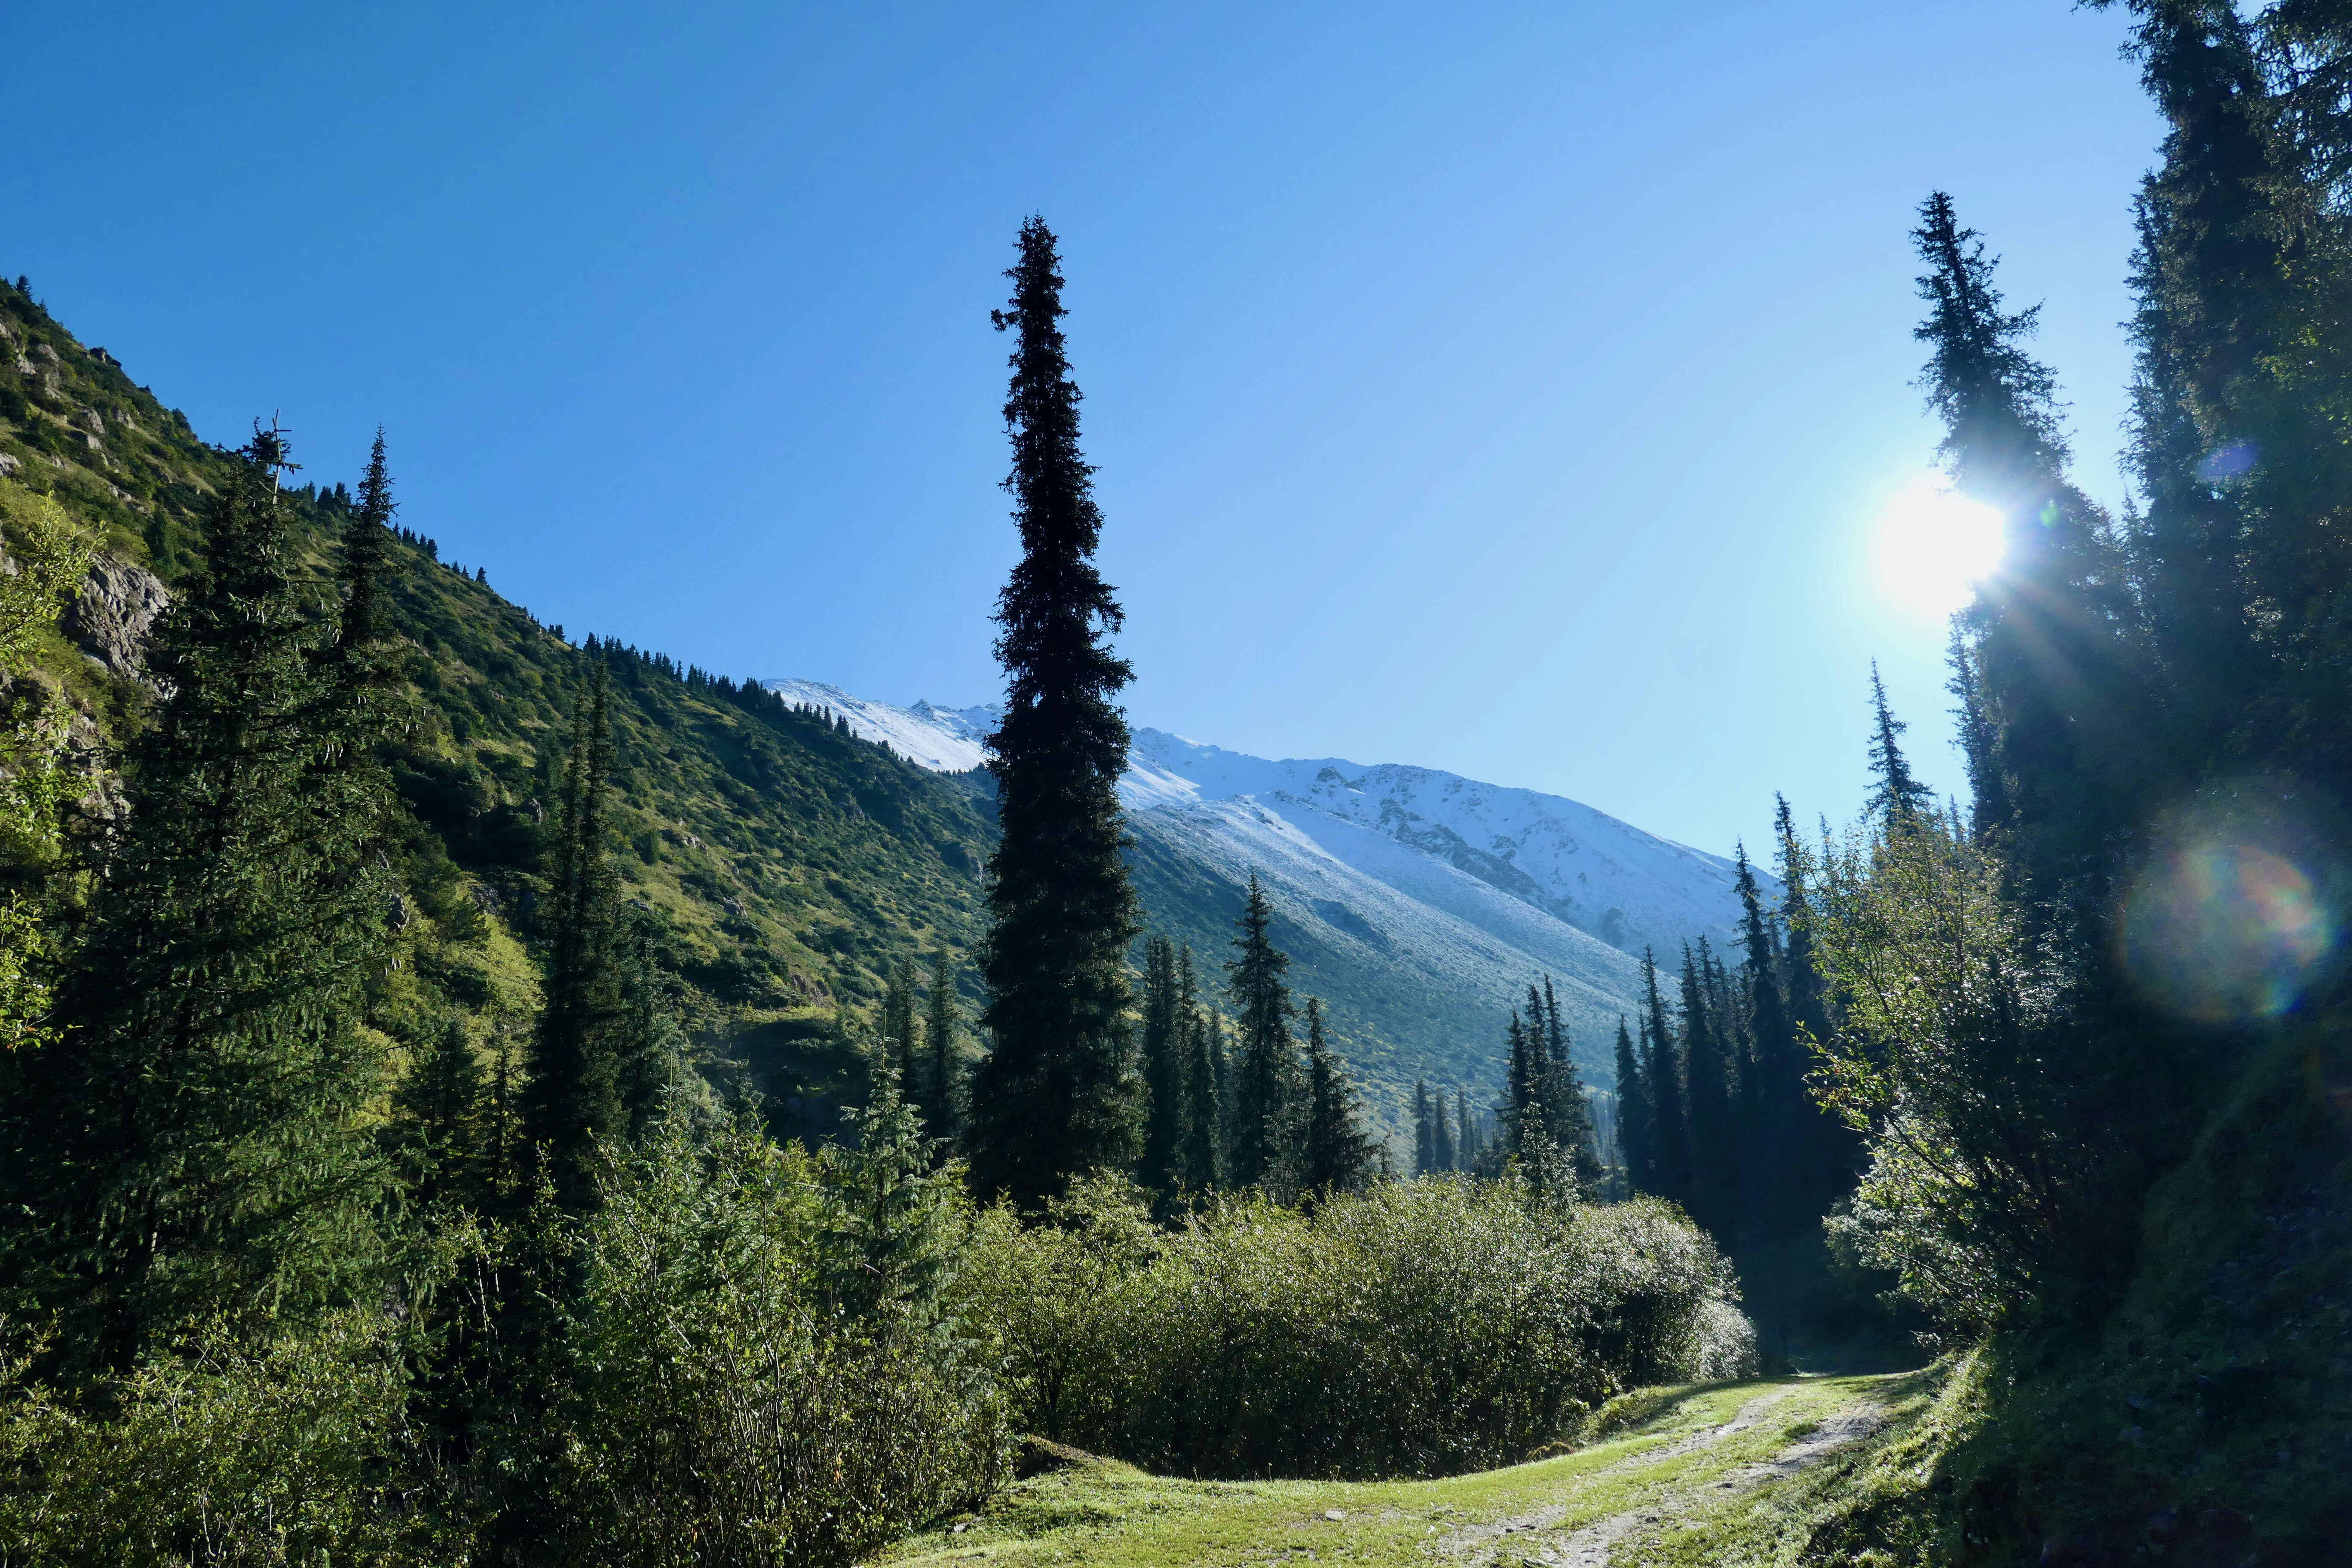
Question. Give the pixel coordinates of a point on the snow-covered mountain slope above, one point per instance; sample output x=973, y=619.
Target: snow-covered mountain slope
x=1605, y=877
x=944, y=740
x=1418, y=904
x=1417, y=982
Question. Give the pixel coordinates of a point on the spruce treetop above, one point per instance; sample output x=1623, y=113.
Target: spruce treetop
x=1059, y=1096
x=1899, y=796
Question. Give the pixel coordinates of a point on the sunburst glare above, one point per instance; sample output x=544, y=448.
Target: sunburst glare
x=1934, y=546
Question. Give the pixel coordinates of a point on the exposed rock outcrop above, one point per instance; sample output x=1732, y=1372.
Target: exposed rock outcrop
x=110, y=619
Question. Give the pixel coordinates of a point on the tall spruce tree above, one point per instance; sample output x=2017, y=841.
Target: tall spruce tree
x=1164, y=1045
x=363, y=696
x=1715, y=1178
x=573, y=1101
x=193, y=1141
x=1336, y=1154
x=1469, y=1138
x=2051, y=637
x=1824, y=1151
x=1221, y=1080
x=1897, y=796
x=1775, y=1102
x=1424, y=1132
x=902, y=1039
x=1443, y=1152
x=1661, y=1080
x=1523, y=1117
x=1202, y=1152
x=943, y=1091
x=1056, y=1097
x=438, y=1123
x=1266, y=1111
x=650, y=1068
x=1566, y=1101
x=1635, y=1121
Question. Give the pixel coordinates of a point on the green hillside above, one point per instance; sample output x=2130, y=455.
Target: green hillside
x=783, y=864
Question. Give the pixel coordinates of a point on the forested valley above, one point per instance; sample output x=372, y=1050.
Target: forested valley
x=476, y=1095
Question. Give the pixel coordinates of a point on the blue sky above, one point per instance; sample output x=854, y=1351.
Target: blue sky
x=1514, y=390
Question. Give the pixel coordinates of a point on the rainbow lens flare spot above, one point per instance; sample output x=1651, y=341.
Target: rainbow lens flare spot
x=2223, y=931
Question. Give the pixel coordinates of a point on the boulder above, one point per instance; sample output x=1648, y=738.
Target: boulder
x=9, y=464
x=111, y=617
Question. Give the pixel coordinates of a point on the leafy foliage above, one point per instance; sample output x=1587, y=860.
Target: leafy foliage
x=1417, y=1328
x=762, y=1374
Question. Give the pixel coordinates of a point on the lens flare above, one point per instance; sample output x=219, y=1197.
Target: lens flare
x=2223, y=931
x=1934, y=544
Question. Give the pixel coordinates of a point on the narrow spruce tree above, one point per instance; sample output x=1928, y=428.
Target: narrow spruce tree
x=1566, y=1102
x=572, y=1099
x=194, y=1141
x=1635, y=1121
x=650, y=1066
x=1775, y=1102
x=1335, y=1155
x=1202, y=1148
x=1522, y=1104
x=1897, y=797
x=438, y=1123
x=1265, y=1081
x=899, y=1040
x=1443, y=1156
x=1716, y=1184
x=1057, y=1097
x=1221, y=1078
x=1469, y=1138
x=1825, y=1152
x=2221, y=246
x=2054, y=639
x=942, y=1087
x=1425, y=1134
x=1164, y=1129
x=1662, y=1079
x=363, y=694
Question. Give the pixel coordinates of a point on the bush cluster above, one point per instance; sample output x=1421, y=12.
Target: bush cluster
x=742, y=1359
x=759, y=1372
x=1420, y=1328
x=752, y=1355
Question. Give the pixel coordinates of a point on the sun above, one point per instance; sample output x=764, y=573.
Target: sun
x=1935, y=545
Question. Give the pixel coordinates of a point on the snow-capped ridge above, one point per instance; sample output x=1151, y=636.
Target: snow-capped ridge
x=944, y=740
x=1603, y=876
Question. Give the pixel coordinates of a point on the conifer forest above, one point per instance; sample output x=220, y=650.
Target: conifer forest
x=476, y=1093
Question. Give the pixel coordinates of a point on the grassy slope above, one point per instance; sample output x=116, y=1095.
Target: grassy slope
x=788, y=864
x=1667, y=1470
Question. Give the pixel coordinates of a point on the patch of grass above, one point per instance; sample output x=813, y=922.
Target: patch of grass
x=1114, y=1514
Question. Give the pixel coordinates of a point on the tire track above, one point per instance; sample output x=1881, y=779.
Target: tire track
x=1535, y=1537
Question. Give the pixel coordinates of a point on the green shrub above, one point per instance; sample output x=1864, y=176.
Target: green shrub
x=757, y=1369
x=299, y=1451
x=1420, y=1328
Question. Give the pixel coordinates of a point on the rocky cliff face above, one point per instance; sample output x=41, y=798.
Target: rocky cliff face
x=110, y=618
